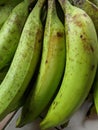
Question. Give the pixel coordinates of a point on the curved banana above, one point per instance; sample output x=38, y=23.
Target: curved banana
x=81, y=64
x=24, y=62
x=90, y=9
x=6, y=9
x=51, y=68
x=10, y=33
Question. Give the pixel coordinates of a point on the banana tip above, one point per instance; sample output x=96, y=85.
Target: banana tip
x=45, y=125
x=19, y=123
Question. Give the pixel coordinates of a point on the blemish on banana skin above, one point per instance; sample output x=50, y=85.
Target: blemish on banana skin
x=78, y=21
x=46, y=61
x=92, y=67
x=87, y=47
x=60, y=34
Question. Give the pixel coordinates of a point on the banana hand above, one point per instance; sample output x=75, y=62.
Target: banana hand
x=81, y=64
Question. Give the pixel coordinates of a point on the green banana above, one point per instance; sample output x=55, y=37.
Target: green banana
x=10, y=33
x=90, y=9
x=81, y=64
x=6, y=9
x=23, y=64
x=51, y=68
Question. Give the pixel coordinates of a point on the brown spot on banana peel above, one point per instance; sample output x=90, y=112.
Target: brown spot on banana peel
x=92, y=49
x=52, y=40
x=77, y=21
x=60, y=34
x=92, y=67
x=87, y=47
x=46, y=61
x=91, y=9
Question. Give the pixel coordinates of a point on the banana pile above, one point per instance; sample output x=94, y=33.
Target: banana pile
x=48, y=58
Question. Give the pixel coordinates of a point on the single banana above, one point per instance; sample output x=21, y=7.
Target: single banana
x=81, y=64
x=51, y=68
x=10, y=33
x=90, y=9
x=6, y=9
x=24, y=62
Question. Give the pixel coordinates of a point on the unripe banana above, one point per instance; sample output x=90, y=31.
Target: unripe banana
x=81, y=64
x=51, y=68
x=23, y=64
x=6, y=9
x=10, y=33
x=90, y=9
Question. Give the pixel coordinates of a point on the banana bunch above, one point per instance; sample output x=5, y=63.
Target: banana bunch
x=48, y=58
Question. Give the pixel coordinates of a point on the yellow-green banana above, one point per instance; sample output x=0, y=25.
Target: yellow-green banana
x=51, y=68
x=10, y=33
x=81, y=64
x=23, y=64
x=90, y=9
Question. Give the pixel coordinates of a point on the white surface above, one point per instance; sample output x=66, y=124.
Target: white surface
x=76, y=123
